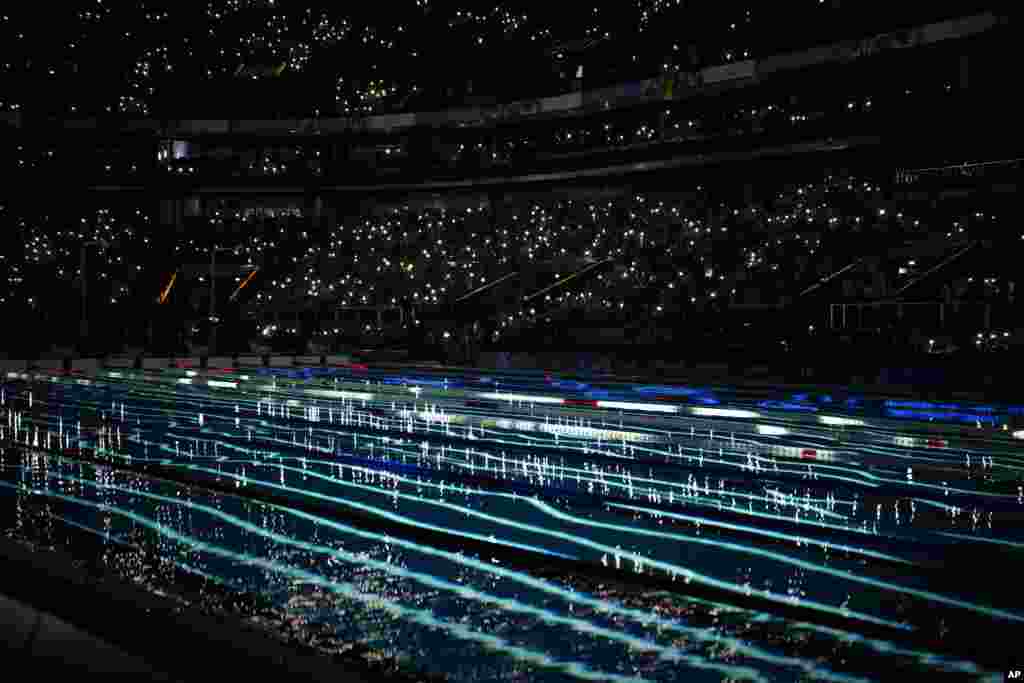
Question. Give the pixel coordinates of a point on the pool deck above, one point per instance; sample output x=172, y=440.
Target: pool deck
x=56, y=619
x=52, y=646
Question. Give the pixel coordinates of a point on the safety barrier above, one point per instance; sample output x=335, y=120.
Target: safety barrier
x=143, y=362
x=85, y=366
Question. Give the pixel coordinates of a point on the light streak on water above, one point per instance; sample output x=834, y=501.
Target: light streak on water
x=623, y=484
x=511, y=605
x=668, y=568
x=349, y=590
x=765, y=532
x=705, y=635
x=981, y=539
x=724, y=412
x=377, y=511
x=649, y=407
x=779, y=557
x=521, y=398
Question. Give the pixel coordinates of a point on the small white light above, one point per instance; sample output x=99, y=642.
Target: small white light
x=839, y=421
x=772, y=430
x=329, y=393
x=651, y=407
x=521, y=397
x=723, y=412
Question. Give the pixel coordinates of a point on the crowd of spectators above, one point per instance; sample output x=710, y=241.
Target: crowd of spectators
x=873, y=99
x=154, y=58
x=672, y=251
x=696, y=126
x=668, y=253
x=867, y=103
x=628, y=258
x=543, y=262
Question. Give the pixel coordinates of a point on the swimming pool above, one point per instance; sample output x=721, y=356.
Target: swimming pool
x=514, y=529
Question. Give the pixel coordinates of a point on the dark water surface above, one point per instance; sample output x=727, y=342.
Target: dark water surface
x=456, y=539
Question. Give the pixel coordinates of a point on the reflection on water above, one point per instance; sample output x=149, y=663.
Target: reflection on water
x=346, y=517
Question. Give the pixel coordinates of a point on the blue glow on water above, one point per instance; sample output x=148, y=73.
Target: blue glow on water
x=920, y=405
x=965, y=418
x=668, y=390
x=788, y=406
x=569, y=385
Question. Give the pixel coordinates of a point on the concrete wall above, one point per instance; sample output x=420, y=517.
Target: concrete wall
x=85, y=366
x=47, y=643
x=12, y=365
x=92, y=365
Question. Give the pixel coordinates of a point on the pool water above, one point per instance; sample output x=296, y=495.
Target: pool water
x=503, y=544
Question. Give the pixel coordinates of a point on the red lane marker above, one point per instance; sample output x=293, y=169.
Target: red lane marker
x=351, y=366
x=936, y=443
x=809, y=454
x=579, y=402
